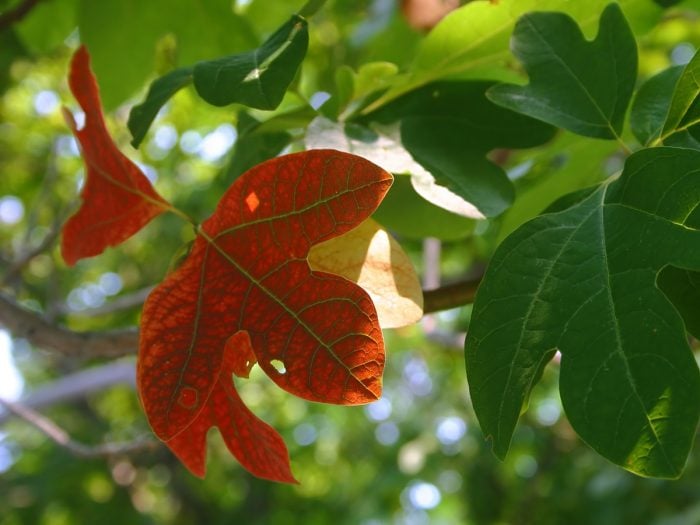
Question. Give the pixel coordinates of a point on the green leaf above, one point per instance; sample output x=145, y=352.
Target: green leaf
x=47, y=25
x=569, y=163
x=472, y=41
x=441, y=146
x=651, y=104
x=581, y=86
x=682, y=287
x=449, y=127
x=161, y=90
x=382, y=145
x=122, y=37
x=258, y=78
x=684, y=111
x=667, y=3
x=485, y=125
x=254, y=146
x=267, y=16
x=583, y=281
x=409, y=216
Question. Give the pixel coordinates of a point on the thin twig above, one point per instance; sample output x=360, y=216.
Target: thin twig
x=44, y=334
x=61, y=437
x=18, y=13
x=123, y=302
x=78, y=385
x=432, y=251
x=24, y=259
x=33, y=327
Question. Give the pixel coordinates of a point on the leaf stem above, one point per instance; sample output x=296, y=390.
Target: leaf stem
x=176, y=211
x=311, y=7
x=623, y=145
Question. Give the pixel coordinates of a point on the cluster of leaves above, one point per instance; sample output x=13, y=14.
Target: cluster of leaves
x=606, y=276
x=245, y=292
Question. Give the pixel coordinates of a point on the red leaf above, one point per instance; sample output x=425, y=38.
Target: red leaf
x=247, y=277
x=118, y=200
x=256, y=445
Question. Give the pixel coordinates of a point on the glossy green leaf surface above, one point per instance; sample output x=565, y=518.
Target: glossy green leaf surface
x=570, y=163
x=438, y=144
x=581, y=86
x=583, y=281
x=161, y=90
x=449, y=127
x=257, y=78
x=472, y=41
x=682, y=287
x=424, y=220
x=684, y=111
x=651, y=104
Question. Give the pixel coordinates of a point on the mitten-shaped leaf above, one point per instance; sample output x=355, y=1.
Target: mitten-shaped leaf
x=583, y=281
x=315, y=334
x=117, y=198
x=581, y=86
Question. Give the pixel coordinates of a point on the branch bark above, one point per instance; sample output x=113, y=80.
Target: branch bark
x=450, y=295
x=44, y=334
x=78, y=385
x=61, y=437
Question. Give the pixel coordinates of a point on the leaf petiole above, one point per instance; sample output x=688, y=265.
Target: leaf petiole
x=176, y=211
x=311, y=7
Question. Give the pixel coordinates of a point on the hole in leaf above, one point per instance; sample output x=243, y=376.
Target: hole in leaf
x=279, y=366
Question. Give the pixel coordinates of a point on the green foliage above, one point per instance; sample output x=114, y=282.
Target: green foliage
x=684, y=109
x=491, y=122
x=580, y=86
x=142, y=115
x=257, y=78
x=583, y=281
x=651, y=104
x=122, y=37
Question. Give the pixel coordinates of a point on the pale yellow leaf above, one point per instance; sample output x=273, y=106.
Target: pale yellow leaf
x=370, y=257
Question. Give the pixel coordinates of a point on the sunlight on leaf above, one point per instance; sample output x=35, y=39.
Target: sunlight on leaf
x=117, y=198
x=246, y=293
x=384, y=149
x=583, y=281
x=371, y=257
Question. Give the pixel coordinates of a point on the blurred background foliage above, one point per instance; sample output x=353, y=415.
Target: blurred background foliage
x=415, y=457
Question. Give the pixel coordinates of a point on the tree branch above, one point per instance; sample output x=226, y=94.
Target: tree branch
x=61, y=437
x=24, y=259
x=122, y=302
x=450, y=295
x=18, y=13
x=40, y=332
x=77, y=385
